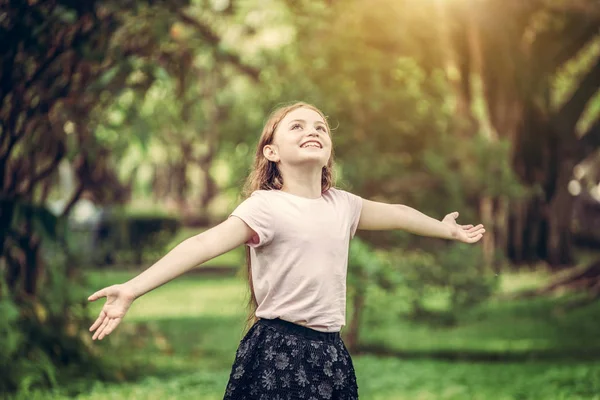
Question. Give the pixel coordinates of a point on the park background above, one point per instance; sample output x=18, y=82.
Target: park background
x=127, y=126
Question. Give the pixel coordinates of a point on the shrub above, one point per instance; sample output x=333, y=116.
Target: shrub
x=438, y=287
x=133, y=238
x=45, y=337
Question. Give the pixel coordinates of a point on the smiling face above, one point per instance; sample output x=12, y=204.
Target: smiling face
x=301, y=138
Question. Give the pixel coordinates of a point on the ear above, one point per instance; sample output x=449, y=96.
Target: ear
x=270, y=153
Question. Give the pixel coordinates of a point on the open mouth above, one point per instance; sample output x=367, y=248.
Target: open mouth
x=312, y=143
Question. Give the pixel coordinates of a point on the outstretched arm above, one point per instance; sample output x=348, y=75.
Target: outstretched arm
x=381, y=216
x=191, y=252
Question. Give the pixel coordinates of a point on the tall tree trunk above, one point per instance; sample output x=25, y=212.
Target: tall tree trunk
x=210, y=186
x=486, y=212
x=515, y=231
x=501, y=224
x=358, y=305
x=559, y=246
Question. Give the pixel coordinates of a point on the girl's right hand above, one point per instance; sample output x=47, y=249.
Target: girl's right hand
x=118, y=301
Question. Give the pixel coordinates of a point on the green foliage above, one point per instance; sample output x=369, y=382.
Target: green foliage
x=45, y=338
x=434, y=288
x=387, y=378
x=44, y=223
x=11, y=338
x=363, y=263
x=183, y=336
x=135, y=237
x=366, y=267
x=181, y=99
x=438, y=287
x=473, y=168
x=454, y=278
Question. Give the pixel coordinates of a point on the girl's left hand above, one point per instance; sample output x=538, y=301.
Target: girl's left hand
x=463, y=233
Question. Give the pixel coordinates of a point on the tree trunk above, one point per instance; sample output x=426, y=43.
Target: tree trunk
x=358, y=304
x=527, y=231
x=210, y=187
x=7, y=208
x=560, y=252
x=486, y=212
x=501, y=231
x=515, y=232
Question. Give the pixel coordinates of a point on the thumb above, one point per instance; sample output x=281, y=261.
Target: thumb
x=99, y=294
x=455, y=214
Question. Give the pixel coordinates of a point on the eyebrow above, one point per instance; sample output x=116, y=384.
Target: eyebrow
x=301, y=120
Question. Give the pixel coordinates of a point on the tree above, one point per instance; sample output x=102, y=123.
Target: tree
x=399, y=138
x=62, y=64
x=517, y=70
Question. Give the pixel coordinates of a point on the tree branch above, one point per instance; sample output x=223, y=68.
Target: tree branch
x=74, y=198
x=589, y=142
x=567, y=117
x=215, y=40
x=579, y=40
x=45, y=172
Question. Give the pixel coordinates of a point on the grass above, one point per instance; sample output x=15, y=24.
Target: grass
x=500, y=329
x=185, y=335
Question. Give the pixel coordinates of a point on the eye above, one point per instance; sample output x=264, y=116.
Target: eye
x=322, y=128
x=296, y=126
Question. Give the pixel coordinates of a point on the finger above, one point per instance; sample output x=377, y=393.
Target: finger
x=479, y=232
x=466, y=226
x=475, y=231
x=110, y=327
x=476, y=238
x=98, y=321
x=475, y=228
x=455, y=214
x=101, y=329
x=97, y=295
x=100, y=332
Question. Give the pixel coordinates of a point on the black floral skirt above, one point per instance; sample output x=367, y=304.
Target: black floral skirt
x=278, y=360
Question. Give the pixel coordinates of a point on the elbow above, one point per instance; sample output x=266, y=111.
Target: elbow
x=401, y=216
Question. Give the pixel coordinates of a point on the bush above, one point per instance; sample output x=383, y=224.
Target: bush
x=365, y=270
x=133, y=238
x=438, y=287
x=45, y=337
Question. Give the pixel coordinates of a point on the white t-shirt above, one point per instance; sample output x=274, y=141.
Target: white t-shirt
x=299, y=255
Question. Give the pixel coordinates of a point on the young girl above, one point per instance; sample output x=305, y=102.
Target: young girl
x=297, y=227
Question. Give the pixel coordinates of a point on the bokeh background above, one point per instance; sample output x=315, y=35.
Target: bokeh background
x=127, y=126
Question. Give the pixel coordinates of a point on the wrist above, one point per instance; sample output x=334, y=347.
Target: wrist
x=451, y=231
x=131, y=290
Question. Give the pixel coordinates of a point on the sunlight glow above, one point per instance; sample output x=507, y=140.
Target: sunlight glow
x=574, y=188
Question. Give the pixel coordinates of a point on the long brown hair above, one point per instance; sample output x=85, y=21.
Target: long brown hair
x=265, y=175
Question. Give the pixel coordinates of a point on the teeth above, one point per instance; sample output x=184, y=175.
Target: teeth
x=311, y=145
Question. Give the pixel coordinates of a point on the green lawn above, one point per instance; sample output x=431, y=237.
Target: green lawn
x=184, y=335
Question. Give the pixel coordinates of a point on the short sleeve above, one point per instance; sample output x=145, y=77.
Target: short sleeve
x=255, y=212
x=355, y=208
x=352, y=206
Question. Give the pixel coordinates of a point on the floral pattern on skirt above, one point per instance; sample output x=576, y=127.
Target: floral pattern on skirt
x=277, y=360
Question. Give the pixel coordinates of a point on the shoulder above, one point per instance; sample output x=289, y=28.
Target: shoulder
x=262, y=195
x=340, y=193
x=349, y=201
x=261, y=198
x=255, y=209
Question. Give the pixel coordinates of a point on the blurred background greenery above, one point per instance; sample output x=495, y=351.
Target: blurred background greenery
x=128, y=126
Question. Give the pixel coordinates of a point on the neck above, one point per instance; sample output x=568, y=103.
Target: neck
x=303, y=183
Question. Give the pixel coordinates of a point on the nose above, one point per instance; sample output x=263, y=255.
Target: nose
x=313, y=132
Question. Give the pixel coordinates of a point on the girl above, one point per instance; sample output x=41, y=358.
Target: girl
x=297, y=227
